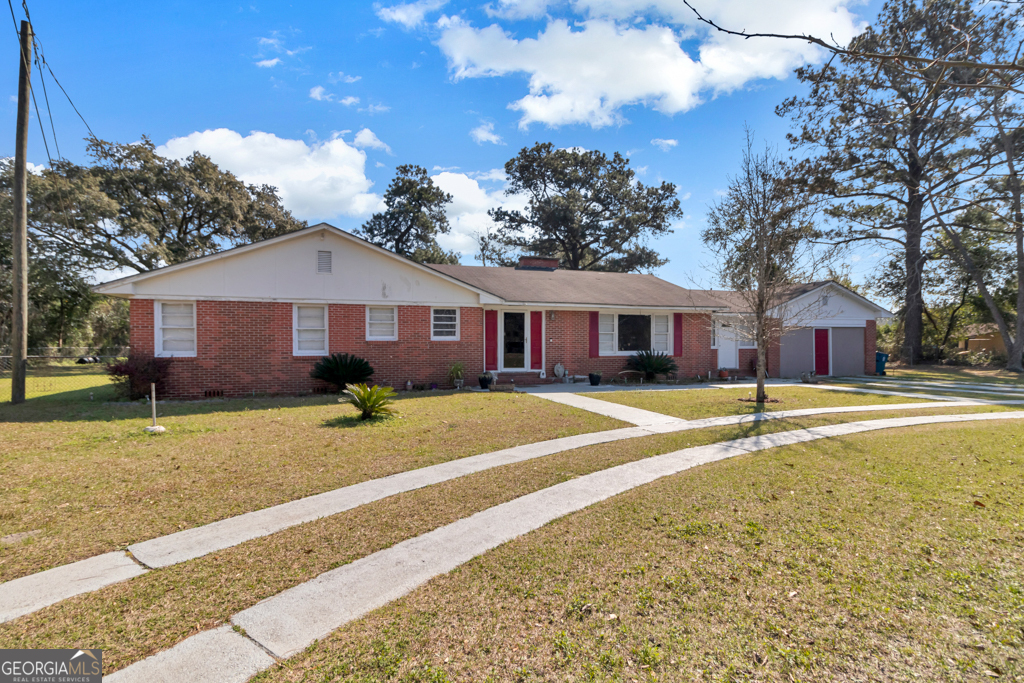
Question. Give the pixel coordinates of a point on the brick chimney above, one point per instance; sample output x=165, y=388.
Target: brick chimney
x=537, y=263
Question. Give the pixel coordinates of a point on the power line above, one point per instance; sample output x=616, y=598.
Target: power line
x=35, y=104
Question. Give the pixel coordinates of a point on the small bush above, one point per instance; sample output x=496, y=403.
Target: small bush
x=341, y=370
x=132, y=376
x=370, y=401
x=456, y=371
x=652, y=364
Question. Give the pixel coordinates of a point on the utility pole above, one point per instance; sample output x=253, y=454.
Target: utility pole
x=19, y=233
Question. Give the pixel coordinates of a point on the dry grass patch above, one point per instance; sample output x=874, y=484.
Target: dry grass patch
x=135, y=619
x=693, y=404
x=857, y=559
x=88, y=480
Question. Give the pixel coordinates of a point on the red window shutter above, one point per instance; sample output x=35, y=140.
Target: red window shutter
x=490, y=340
x=536, y=340
x=595, y=334
x=677, y=334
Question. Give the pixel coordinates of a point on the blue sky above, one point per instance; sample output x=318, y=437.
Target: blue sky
x=323, y=100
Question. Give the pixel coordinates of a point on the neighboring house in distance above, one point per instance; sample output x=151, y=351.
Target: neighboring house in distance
x=830, y=330
x=255, y=319
x=983, y=337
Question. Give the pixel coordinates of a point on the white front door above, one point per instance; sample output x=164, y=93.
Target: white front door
x=728, y=345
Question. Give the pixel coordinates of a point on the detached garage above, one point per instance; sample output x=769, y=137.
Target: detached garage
x=831, y=331
x=834, y=333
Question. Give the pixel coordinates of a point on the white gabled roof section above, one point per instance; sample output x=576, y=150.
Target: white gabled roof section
x=831, y=305
x=285, y=268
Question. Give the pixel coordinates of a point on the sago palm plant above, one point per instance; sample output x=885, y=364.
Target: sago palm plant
x=342, y=369
x=370, y=401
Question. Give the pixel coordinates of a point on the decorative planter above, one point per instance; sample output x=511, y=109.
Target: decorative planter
x=595, y=379
x=458, y=383
x=485, y=382
x=723, y=374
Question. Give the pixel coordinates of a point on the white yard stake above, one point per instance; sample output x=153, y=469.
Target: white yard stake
x=155, y=428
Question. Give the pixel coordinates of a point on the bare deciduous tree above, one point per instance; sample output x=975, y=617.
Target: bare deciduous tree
x=762, y=233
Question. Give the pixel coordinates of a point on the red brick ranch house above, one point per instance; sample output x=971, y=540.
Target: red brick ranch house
x=254, y=319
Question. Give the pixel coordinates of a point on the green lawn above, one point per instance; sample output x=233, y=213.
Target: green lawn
x=945, y=373
x=692, y=404
x=889, y=556
x=82, y=478
x=137, y=618
x=62, y=382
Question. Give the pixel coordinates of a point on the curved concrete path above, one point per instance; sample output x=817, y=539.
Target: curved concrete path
x=28, y=594
x=290, y=621
x=962, y=387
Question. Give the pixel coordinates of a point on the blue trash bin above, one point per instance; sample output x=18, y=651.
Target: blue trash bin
x=880, y=360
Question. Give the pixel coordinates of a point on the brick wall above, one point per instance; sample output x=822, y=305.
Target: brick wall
x=246, y=347
x=567, y=339
x=870, y=346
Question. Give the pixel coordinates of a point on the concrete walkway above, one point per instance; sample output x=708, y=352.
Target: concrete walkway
x=28, y=594
x=1011, y=389
x=288, y=622
x=637, y=416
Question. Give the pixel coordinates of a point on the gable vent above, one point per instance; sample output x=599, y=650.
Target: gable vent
x=323, y=261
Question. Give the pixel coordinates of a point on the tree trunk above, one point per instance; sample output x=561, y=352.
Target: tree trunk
x=1015, y=352
x=762, y=354
x=913, y=304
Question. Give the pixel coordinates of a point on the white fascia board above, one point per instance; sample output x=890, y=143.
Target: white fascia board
x=611, y=307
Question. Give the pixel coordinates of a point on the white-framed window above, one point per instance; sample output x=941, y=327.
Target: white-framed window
x=381, y=323
x=746, y=336
x=661, y=336
x=606, y=330
x=623, y=334
x=714, y=333
x=175, y=326
x=309, y=330
x=444, y=324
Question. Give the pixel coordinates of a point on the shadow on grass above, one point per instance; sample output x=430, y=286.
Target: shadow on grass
x=75, y=406
x=349, y=421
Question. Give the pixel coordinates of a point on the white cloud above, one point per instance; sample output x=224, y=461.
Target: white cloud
x=663, y=144
x=410, y=14
x=316, y=181
x=320, y=94
x=349, y=101
x=376, y=109
x=625, y=53
x=467, y=214
x=340, y=77
x=268, y=63
x=485, y=133
x=367, y=139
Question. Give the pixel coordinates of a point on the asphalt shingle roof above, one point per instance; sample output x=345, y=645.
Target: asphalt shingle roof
x=580, y=287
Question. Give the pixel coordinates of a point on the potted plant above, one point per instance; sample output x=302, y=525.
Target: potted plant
x=723, y=373
x=595, y=378
x=485, y=379
x=456, y=374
